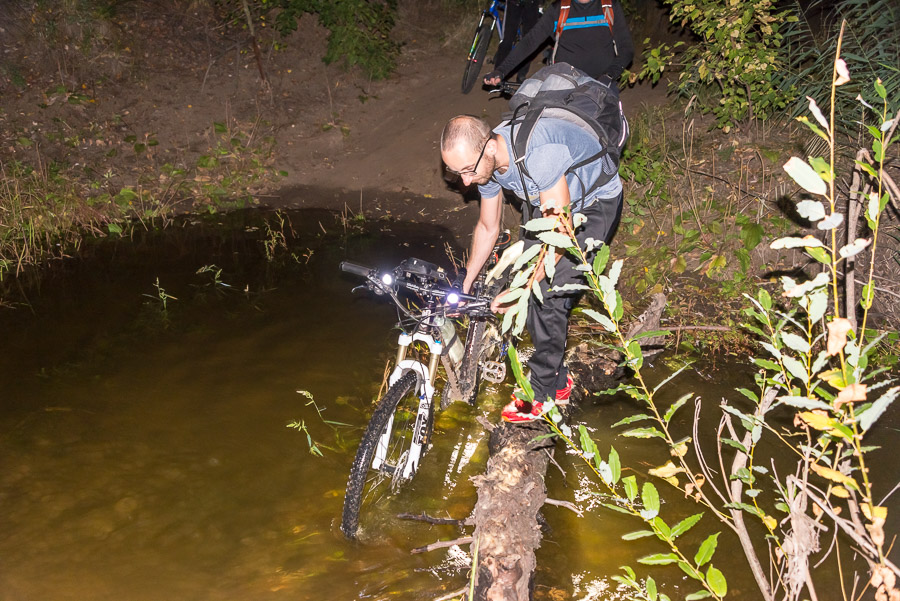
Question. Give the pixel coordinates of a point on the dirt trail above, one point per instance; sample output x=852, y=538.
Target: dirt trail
x=387, y=159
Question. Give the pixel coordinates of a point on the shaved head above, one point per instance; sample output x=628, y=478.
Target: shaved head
x=469, y=130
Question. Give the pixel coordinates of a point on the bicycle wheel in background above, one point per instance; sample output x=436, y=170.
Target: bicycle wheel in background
x=477, y=53
x=396, y=412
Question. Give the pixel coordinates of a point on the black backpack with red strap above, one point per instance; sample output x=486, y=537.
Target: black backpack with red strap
x=561, y=91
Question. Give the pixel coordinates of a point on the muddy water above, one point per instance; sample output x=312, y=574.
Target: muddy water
x=144, y=447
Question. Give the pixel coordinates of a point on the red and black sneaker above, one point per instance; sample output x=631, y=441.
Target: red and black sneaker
x=520, y=410
x=562, y=395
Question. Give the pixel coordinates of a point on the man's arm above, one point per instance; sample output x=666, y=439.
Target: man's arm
x=624, y=44
x=554, y=201
x=483, y=238
x=530, y=42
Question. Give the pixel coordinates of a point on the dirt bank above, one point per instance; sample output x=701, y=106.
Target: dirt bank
x=144, y=96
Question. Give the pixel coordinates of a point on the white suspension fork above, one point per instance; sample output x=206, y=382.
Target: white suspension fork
x=425, y=376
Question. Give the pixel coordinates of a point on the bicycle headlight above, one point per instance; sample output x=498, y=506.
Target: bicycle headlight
x=387, y=279
x=453, y=298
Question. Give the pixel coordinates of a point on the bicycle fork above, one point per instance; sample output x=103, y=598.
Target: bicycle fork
x=424, y=391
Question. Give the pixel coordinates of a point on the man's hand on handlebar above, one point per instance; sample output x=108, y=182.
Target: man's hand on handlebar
x=493, y=78
x=498, y=305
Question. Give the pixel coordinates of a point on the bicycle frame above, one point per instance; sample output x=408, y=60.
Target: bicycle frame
x=498, y=21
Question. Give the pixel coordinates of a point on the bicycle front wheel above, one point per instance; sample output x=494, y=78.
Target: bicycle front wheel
x=387, y=456
x=477, y=52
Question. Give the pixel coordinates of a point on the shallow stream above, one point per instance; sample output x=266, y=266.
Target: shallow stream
x=145, y=453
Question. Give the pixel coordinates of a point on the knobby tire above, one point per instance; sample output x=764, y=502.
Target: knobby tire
x=363, y=481
x=481, y=41
x=468, y=374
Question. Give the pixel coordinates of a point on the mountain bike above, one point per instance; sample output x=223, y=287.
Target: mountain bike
x=400, y=429
x=482, y=39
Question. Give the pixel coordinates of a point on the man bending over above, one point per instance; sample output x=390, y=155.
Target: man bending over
x=479, y=155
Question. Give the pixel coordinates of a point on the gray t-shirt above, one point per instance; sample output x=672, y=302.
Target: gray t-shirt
x=555, y=146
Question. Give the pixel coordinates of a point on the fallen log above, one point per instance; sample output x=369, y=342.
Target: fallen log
x=511, y=492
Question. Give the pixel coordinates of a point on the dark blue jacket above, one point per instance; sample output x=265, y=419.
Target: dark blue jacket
x=587, y=41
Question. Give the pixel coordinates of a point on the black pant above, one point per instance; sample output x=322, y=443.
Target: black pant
x=518, y=12
x=548, y=322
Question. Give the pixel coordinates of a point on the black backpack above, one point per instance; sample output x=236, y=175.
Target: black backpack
x=563, y=92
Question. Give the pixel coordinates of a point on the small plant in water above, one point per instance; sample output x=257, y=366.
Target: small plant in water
x=161, y=295
x=300, y=425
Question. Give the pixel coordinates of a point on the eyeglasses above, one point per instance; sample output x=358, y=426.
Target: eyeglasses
x=474, y=169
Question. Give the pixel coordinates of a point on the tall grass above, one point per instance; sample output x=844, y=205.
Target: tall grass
x=871, y=49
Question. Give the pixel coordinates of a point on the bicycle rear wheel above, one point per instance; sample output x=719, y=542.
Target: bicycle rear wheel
x=468, y=375
x=478, y=51
x=387, y=440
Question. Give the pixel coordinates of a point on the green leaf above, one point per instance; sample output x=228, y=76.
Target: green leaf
x=615, y=465
x=704, y=594
x=635, y=354
x=795, y=342
x=603, y=320
x=749, y=394
x=805, y=176
x=867, y=296
x=764, y=299
x=555, y=239
x=652, y=334
x=631, y=419
x=676, y=406
x=617, y=508
x=716, y=581
x=541, y=224
x=658, y=559
x=735, y=444
x=550, y=263
x=690, y=571
x=530, y=253
x=819, y=254
x=877, y=409
x=644, y=433
x=880, y=89
x=638, y=534
x=219, y=127
x=707, y=549
x=751, y=235
x=685, y=525
x=536, y=290
x=745, y=507
x=766, y=364
x=651, y=589
x=521, y=380
x=795, y=368
x=802, y=402
x=631, y=488
x=650, y=497
x=601, y=259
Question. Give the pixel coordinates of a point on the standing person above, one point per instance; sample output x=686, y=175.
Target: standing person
x=479, y=155
x=588, y=41
x=524, y=13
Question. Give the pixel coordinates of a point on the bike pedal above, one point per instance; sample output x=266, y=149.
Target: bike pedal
x=493, y=371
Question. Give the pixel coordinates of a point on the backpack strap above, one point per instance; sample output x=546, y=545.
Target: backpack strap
x=520, y=161
x=561, y=23
x=606, y=5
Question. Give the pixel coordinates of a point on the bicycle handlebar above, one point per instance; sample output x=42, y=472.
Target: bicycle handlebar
x=505, y=88
x=389, y=281
x=356, y=269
